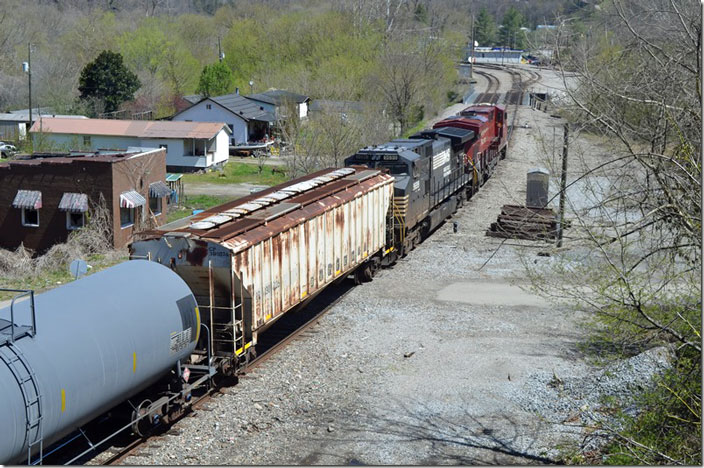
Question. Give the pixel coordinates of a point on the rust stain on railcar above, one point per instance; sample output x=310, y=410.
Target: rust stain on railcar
x=284, y=260
x=276, y=273
x=281, y=259
x=295, y=264
x=339, y=245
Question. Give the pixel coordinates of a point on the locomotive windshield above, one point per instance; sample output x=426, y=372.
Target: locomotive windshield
x=394, y=169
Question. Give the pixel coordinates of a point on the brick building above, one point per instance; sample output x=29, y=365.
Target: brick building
x=46, y=196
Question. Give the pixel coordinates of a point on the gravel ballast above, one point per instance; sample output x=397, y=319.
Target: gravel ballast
x=444, y=358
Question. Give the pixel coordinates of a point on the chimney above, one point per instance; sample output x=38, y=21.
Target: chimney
x=237, y=91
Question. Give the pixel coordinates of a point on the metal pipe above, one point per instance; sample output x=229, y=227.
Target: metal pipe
x=34, y=316
x=59, y=447
x=23, y=292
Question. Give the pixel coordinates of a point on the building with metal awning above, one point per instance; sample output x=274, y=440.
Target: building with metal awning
x=46, y=196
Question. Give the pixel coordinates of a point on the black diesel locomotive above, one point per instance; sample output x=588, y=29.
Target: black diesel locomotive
x=435, y=171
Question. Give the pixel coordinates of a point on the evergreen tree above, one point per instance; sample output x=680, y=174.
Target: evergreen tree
x=108, y=80
x=511, y=34
x=215, y=80
x=484, y=29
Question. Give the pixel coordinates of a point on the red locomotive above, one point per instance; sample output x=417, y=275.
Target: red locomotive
x=489, y=124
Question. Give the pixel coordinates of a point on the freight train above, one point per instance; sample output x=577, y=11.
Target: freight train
x=197, y=292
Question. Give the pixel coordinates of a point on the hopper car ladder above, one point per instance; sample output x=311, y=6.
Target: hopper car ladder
x=23, y=373
x=227, y=330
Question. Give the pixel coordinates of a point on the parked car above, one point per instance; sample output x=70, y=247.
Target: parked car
x=7, y=150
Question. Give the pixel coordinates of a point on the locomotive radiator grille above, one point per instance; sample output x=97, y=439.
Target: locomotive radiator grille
x=400, y=206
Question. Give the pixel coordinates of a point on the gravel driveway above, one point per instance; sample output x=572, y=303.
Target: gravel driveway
x=443, y=359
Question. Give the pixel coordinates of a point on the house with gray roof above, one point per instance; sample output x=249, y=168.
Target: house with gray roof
x=250, y=121
x=280, y=101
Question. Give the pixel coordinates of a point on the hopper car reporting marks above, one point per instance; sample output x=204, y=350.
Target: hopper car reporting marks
x=226, y=275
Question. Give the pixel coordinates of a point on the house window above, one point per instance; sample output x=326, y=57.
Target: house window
x=86, y=140
x=126, y=217
x=208, y=106
x=155, y=205
x=30, y=217
x=74, y=220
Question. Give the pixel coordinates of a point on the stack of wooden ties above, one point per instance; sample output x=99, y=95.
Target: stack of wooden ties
x=521, y=222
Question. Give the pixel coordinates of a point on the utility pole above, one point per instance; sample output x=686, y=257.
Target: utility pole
x=563, y=184
x=29, y=73
x=471, y=65
x=221, y=56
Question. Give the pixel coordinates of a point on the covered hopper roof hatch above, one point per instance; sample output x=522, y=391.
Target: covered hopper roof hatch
x=270, y=202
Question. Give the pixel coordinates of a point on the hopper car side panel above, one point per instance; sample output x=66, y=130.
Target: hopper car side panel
x=248, y=280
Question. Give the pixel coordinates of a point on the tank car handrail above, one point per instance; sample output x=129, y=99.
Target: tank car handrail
x=22, y=293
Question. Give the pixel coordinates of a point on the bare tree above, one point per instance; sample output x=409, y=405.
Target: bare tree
x=635, y=247
x=331, y=134
x=409, y=73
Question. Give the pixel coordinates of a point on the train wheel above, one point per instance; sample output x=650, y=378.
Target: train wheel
x=142, y=427
x=365, y=272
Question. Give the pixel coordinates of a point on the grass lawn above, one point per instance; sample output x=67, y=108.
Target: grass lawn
x=237, y=173
x=195, y=202
x=56, y=277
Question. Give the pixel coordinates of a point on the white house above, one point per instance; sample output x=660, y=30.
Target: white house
x=190, y=146
x=249, y=121
x=277, y=101
x=13, y=125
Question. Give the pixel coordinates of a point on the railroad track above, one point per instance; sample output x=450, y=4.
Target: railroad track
x=519, y=86
x=285, y=330
x=491, y=95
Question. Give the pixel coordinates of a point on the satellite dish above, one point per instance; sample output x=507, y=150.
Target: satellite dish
x=78, y=268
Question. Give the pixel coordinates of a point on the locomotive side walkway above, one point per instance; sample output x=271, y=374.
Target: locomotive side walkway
x=442, y=359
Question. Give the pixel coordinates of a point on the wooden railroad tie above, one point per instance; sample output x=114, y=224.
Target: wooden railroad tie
x=521, y=222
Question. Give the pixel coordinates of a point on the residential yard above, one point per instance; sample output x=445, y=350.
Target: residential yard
x=54, y=275
x=237, y=173
x=195, y=202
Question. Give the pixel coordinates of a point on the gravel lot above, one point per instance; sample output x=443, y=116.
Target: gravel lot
x=443, y=359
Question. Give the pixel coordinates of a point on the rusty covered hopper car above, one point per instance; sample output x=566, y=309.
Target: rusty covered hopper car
x=251, y=260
